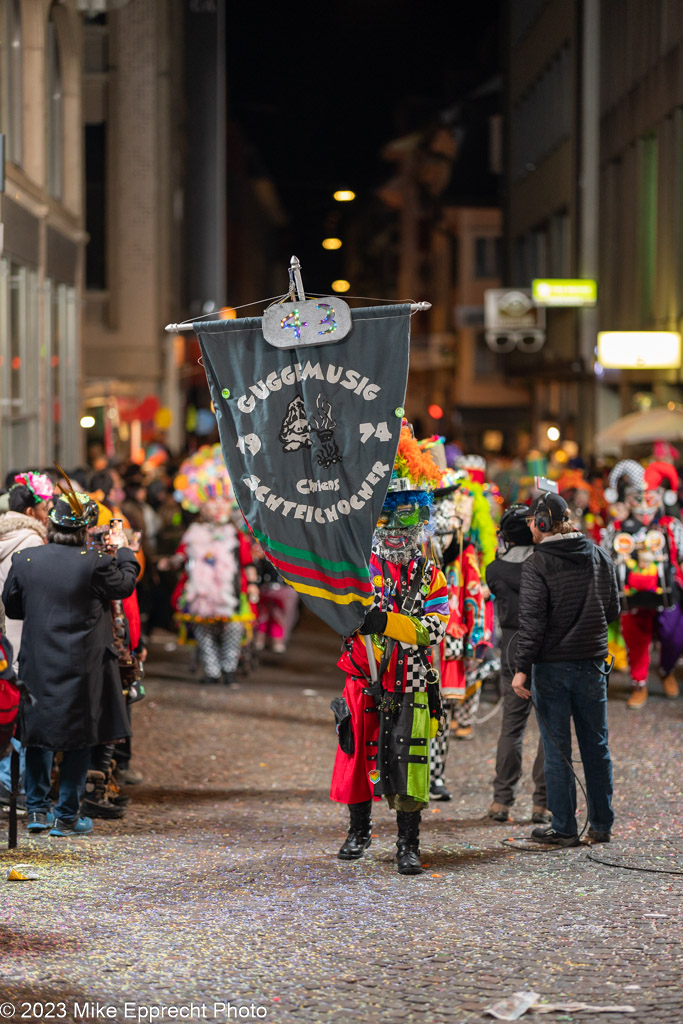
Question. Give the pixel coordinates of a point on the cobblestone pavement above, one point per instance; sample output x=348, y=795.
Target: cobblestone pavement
x=221, y=885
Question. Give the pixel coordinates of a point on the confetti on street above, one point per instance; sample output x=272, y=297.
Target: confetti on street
x=222, y=885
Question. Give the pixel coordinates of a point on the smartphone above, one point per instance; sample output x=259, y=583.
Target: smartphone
x=116, y=528
x=543, y=484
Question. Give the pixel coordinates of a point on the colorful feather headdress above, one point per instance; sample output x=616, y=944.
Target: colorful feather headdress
x=73, y=509
x=414, y=469
x=201, y=478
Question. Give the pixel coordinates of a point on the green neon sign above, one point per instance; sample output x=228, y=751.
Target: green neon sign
x=564, y=291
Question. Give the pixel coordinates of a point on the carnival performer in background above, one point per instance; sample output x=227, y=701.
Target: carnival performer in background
x=385, y=728
x=220, y=579
x=109, y=762
x=460, y=650
x=503, y=577
x=479, y=531
x=586, y=502
x=646, y=544
x=278, y=606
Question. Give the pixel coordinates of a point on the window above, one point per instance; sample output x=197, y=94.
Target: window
x=95, y=205
x=487, y=256
x=543, y=117
x=647, y=226
x=19, y=379
x=11, y=79
x=62, y=371
x=55, y=113
x=559, y=246
x=486, y=362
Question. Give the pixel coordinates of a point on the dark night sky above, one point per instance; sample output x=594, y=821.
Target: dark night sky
x=319, y=88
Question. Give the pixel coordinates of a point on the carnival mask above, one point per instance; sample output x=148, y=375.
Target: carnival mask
x=399, y=528
x=646, y=506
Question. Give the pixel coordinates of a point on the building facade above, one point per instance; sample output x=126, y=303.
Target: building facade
x=42, y=240
x=594, y=155
x=134, y=116
x=447, y=239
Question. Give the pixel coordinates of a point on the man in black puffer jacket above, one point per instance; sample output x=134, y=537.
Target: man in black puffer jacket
x=568, y=597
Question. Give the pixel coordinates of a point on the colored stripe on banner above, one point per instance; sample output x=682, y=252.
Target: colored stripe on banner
x=310, y=556
x=326, y=596
x=315, y=574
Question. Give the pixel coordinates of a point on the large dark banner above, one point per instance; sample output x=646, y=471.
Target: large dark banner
x=309, y=437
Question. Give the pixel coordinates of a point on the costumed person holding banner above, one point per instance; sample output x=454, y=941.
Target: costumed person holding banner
x=646, y=544
x=309, y=403
x=220, y=578
x=392, y=721
x=460, y=649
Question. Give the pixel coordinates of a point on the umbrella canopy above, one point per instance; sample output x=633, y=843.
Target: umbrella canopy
x=641, y=428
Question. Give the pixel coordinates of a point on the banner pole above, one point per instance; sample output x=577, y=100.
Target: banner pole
x=415, y=307
x=371, y=658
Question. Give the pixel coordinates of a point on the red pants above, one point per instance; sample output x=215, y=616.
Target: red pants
x=638, y=629
x=350, y=782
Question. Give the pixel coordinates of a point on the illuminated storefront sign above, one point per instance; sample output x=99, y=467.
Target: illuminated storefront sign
x=639, y=350
x=560, y=291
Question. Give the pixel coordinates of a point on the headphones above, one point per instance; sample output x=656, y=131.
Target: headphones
x=543, y=519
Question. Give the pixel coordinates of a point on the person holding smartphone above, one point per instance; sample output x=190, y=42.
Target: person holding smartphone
x=67, y=659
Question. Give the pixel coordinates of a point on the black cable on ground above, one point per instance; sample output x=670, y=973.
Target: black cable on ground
x=632, y=867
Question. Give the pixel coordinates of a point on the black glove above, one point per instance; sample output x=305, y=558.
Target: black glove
x=375, y=622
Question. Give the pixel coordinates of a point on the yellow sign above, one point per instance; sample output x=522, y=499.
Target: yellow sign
x=561, y=291
x=639, y=350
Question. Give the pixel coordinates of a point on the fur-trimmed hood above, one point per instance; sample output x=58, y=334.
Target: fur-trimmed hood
x=17, y=531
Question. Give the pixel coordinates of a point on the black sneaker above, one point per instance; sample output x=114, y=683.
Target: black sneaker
x=598, y=837
x=40, y=821
x=438, y=791
x=553, y=838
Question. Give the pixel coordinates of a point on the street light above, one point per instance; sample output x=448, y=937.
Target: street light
x=344, y=195
x=553, y=434
x=87, y=422
x=332, y=243
x=340, y=286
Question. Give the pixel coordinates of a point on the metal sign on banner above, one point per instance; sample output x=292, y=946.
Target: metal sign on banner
x=512, y=320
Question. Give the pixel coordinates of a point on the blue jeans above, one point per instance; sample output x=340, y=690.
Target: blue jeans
x=72, y=772
x=563, y=690
x=5, y=776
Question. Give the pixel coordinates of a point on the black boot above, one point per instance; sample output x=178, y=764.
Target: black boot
x=95, y=803
x=408, y=843
x=99, y=786
x=360, y=829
